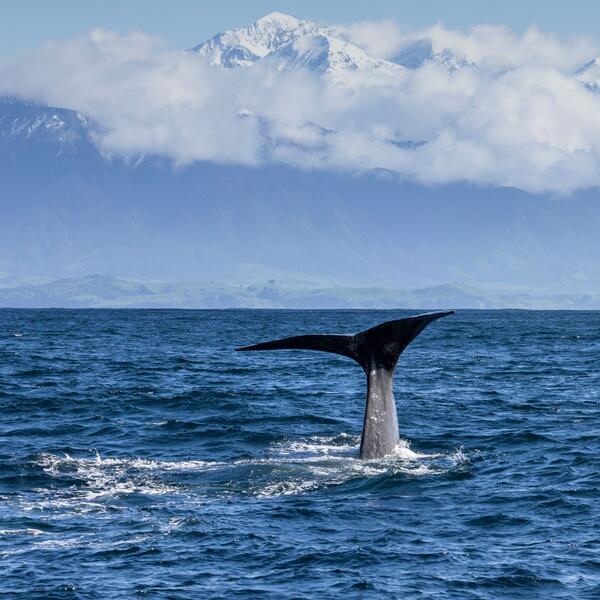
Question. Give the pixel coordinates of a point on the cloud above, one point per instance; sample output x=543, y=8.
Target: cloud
x=145, y=99
x=379, y=38
x=517, y=118
x=491, y=46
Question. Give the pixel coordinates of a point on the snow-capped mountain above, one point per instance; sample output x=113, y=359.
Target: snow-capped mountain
x=243, y=47
x=291, y=44
x=31, y=123
x=329, y=55
x=422, y=51
x=589, y=75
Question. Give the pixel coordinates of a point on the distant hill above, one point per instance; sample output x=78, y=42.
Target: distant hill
x=109, y=292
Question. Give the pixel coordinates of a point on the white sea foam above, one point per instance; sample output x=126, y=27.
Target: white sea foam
x=28, y=531
x=287, y=468
x=52, y=464
x=106, y=478
x=323, y=462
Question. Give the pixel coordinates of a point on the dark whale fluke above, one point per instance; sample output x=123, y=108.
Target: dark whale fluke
x=377, y=351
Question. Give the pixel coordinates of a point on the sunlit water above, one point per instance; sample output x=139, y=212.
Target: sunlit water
x=140, y=456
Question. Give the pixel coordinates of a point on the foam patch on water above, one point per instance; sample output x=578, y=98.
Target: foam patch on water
x=94, y=480
x=321, y=462
x=319, y=446
x=288, y=468
x=19, y=532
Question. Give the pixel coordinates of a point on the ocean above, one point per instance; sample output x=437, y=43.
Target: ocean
x=142, y=457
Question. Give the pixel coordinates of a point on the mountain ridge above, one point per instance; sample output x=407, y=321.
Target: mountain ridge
x=98, y=291
x=291, y=43
x=275, y=35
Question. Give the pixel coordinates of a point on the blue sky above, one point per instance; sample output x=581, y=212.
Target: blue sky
x=183, y=23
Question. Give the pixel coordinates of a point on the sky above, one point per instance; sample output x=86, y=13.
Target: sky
x=184, y=23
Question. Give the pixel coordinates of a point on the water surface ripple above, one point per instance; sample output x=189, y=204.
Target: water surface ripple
x=141, y=457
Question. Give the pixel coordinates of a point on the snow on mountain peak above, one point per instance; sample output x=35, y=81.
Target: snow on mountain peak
x=288, y=44
x=327, y=55
x=29, y=122
x=279, y=20
x=243, y=47
x=589, y=74
x=421, y=51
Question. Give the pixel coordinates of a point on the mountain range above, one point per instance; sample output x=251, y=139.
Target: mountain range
x=68, y=211
x=98, y=291
x=290, y=43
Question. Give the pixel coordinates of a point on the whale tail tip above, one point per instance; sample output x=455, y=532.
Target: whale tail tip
x=383, y=343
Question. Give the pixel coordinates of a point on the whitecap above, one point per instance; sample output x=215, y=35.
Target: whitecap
x=28, y=531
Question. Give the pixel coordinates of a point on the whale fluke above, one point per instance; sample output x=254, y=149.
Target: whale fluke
x=377, y=351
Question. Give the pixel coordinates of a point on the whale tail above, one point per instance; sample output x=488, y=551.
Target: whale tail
x=378, y=347
x=377, y=351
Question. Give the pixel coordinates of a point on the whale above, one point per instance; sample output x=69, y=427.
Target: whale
x=377, y=351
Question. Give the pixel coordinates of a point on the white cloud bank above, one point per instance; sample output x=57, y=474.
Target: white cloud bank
x=517, y=117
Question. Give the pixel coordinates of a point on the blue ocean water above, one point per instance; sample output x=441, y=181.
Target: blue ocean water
x=140, y=456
